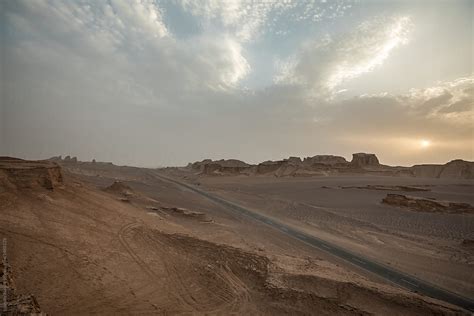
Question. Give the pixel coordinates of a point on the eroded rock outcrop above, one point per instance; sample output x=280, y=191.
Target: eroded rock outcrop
x=26, y=174
x=427, y=205
x=323, y=165
x=120, y=188
x=56, y=158
x=457, y=169
x=179, y=211
x=69, y=159
x=294, y=160
x=220, y=167
x=325, y=160
x=269, y=166
x=199, y=165
x=361, y=160
x=280, y=168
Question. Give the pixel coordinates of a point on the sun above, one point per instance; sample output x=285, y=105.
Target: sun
x=424, y=143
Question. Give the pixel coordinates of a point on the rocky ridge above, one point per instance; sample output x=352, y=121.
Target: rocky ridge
x=323, y=165
x=17, y=173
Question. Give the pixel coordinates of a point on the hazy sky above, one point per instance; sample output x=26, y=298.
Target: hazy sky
x=153, y=83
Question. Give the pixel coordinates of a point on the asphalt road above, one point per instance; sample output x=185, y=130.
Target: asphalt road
x=404, y=280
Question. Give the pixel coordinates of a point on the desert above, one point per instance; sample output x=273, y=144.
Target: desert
x=100, y=238
x=236, y=157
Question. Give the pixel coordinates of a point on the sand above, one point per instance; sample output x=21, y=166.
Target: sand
x=428, y=245
x=80, y=249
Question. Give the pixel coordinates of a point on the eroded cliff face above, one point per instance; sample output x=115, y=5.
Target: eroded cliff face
x=324, y=165
x=220, y=167
x=457, y=169
x=293, y=166
x=325, y=160
x=24, y=174
x=269, y=166
x=361, y=160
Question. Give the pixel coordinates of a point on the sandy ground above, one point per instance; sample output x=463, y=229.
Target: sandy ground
x=81, y=250
x=428, y=245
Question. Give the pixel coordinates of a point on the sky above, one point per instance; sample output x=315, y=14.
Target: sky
x=167, y=82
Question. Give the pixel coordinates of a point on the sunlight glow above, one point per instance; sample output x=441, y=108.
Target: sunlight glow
x=424, y=143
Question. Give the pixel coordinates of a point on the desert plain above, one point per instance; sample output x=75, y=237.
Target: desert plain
x=96, y=238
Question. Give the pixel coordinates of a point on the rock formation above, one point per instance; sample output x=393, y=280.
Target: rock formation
x=269, y=166
x=229, y=166
x=294, y=160
x=280, y=168
x=199, y=165
x=293, y=166
x=179, y=211
x=56, y=158
x=361, y=160
x=70, y=160
x=427, y=205
x=120, y=188
x=25, y=174
x=427, y=171
x=323, y=165
x=458, y=169
x=325, y=160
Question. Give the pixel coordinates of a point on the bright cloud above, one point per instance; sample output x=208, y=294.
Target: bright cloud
x=325, y=64
x=372, y=46
x=247, y=20
x=452, y=101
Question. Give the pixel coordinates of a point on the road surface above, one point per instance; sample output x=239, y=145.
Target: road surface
x=399, y=278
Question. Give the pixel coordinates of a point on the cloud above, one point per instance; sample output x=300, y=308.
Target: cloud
x=282, y=120
x=393, y=125
x=127, y=46
x=324, y=65
x=115, y=73
x=451, y=100
x=247, y=20
x=463, y=105
x=223, y=56
x=124, y=45
x=243, y=19
x=444, y=112
x=143, y=16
